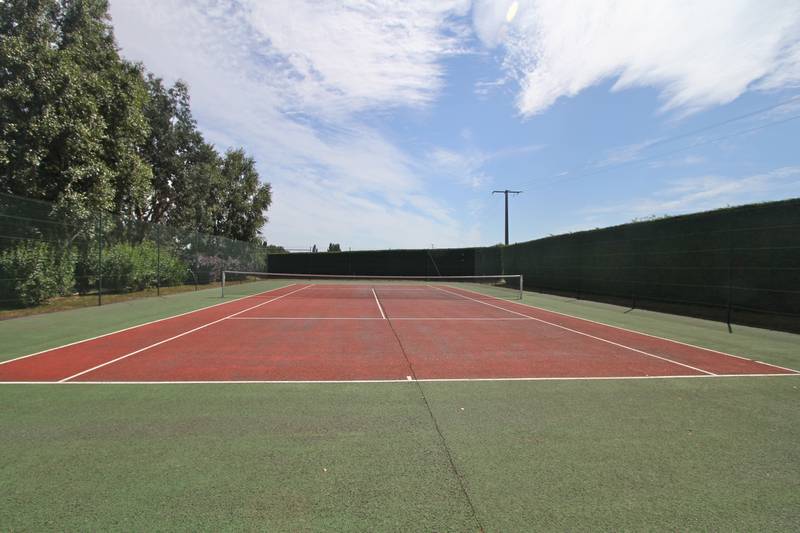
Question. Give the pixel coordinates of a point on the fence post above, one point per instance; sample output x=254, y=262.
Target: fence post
x=100, y=257
x=730, y=276
x=158, y=260
x=635, y=271
x=196, y=258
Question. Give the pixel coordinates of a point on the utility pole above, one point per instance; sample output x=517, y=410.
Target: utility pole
x=506, y=193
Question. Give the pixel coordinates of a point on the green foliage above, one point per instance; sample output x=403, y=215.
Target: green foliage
x=83, y=128
x=33, y=272
x=133, y=267
x=70, y=108
x=334, y=247
x=185, y=168
x=243, y=199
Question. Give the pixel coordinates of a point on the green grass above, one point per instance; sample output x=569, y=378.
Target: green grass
x=696, y=454
x=670, y=455
x=208, y=457
x=78, y=301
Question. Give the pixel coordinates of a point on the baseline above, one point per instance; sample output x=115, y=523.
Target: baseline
x=430, y=380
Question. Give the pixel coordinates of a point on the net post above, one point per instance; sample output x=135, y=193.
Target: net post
x=521, y=285
x=223, y=284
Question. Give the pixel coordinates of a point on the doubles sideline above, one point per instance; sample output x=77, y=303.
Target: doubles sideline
x=142, y=325
x=790, y=370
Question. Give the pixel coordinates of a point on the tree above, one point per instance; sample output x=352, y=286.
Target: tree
x=334, y=247
x=70, y=108
x=83, y=128
x=243, y=200
x=314, y=249
x=186, y=170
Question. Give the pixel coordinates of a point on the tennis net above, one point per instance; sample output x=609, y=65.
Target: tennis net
x=507, y=287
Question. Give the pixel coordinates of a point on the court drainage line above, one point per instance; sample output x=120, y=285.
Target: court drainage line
x=413, y=378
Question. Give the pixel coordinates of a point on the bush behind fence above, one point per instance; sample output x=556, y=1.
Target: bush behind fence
x=46, y=254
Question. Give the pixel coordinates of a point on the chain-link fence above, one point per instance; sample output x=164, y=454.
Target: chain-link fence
x=46, y=254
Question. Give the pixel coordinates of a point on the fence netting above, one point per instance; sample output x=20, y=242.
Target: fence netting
x=47, y=254
x=739, y=264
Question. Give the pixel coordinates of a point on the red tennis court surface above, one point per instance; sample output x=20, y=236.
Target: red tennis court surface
x=364, y=332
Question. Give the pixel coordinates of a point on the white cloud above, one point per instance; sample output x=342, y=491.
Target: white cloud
x=698, y=54
x=467, y=166
x=685, y=161
x=461, y=167
x=700, y=193
x=359, y=222
x=289, y=82
x=625, y=154
x=359, y=55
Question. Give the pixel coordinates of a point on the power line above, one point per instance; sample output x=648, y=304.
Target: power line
x=668, y=140
x=663, y=154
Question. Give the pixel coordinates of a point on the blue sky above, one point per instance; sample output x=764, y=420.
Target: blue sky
x=387, y=124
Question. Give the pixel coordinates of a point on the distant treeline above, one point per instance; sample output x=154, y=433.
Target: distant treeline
x=89, y=131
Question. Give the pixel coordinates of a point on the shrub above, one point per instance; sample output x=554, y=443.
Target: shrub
x=209, y=268
x=131, y=267
x=33, y=272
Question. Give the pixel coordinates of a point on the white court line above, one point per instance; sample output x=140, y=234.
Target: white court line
x=582, y=333
x=144, y=324
x=379, y=304
x=406, y=380
x=369, y=318
x=637, y=332
x=306, y=318
x=180, y=335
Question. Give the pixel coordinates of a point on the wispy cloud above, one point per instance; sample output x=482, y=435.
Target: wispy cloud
x=290, y=81
x=467, y=166
x=706, y=192
x=685, y=161
x=625, y=154
x=697, y=54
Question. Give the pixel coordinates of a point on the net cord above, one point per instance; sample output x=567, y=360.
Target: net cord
x=288, y=275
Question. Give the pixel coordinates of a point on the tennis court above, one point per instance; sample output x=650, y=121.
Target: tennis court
x=373, y=330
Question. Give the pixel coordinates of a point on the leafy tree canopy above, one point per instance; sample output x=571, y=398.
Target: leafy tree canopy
x=87, y=130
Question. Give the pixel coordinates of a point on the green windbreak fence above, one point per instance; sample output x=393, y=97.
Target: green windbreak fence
x=738, y=265
x=46, y=254
x=432, y=262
